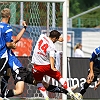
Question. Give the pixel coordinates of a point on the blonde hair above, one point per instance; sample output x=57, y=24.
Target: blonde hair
x=5, y=13
x=77, y=46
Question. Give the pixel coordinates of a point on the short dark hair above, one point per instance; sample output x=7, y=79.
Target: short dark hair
x=54, y=33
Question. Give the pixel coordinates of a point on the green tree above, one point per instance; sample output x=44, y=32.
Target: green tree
x=91, y=19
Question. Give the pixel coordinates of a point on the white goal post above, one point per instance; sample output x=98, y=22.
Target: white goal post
x=65, y=5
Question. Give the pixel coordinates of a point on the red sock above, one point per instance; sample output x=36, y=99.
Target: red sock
x=65, y=85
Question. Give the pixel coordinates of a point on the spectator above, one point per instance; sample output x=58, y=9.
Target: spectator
x=78, y=50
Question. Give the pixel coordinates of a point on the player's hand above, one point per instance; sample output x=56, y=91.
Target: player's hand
x=13, y=45
x=24, y=23
x=54, y=69
x=60, y=39
x=90, y=76
x=97, y=85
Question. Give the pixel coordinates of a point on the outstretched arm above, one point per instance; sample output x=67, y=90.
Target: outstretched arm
x=18, y=37
x=12, y=45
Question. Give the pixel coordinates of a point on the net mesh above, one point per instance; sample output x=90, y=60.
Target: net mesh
x=40, y=17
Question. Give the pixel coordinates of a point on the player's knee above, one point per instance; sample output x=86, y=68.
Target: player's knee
x=18, y=91
x=19, y=87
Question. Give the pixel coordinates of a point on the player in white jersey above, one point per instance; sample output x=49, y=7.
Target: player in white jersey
x=42, y=50
x=44, y=62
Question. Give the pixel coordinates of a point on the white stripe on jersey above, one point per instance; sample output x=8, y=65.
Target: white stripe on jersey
x=15, y=67
x=1, y=26
x=95, y=52
x=5, y=55
x=4, y=64
x=9, y=30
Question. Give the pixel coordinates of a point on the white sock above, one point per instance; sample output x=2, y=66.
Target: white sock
x=69, y=89
x=42, y=89
x=62, y=81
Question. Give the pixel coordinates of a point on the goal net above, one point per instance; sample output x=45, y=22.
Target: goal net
x=41, y=17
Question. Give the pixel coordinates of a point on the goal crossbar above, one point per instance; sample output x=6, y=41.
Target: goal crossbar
x=36, y=0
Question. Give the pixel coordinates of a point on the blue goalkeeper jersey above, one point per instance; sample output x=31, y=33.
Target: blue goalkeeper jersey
x=13, y=61
x=4, y=30
x=95, y=57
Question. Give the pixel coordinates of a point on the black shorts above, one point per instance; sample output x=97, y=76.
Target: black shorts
x=24, y=75
x=3, y=66
x=96, y=73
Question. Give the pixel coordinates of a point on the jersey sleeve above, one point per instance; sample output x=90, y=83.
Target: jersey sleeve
x=94, y=55
x=52, y=51
x=8, y=34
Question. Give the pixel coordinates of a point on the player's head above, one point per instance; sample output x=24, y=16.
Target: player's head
x=54, y=35
x=5, y=13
